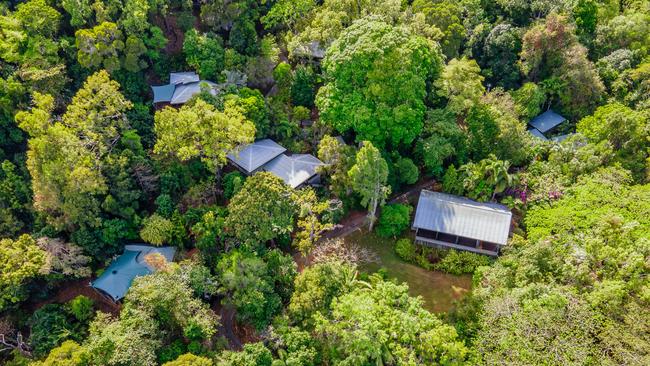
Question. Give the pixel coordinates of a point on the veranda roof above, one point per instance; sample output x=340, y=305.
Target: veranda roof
x=547, y=121
x=183, y=92
x=463, y=217
x=535, y=132
x=255, y=155
x=118, y=276
x=294, y=170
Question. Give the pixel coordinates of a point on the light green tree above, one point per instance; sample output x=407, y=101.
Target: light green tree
x=369, y=176
x=100, y=47
x=462, y=84
x=201, y=131
x=20, y=261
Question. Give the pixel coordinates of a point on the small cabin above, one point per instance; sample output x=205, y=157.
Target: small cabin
x=546, y=125
x=267, y=155
x=447, y=221
x=117, y=278
x=182, y=86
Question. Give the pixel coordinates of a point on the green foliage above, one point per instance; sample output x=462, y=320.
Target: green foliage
x=625, y=130
x=376, y=82
x=253, y=106
x=303, y=89
x=315, y=288
x=20, y=261
x=529, y=99
x=189, y=359
x=204, y=53
x=261, y=211
x=381, y=323
x=459, y=262
x=394, y=220
x=405, y=249
x=156, y=230
x=49, y=327
x=551, y=51
x=441, y=141
x=254, y=354
x=170, y=301
x=100, y=46
x=368, y=177
x=406, y=171
x=243, y=38
x=82, y=308
x=250, y=287
x=232, y=183
x=165, y=205
x=69, y=353
x=201, y=131
x=461, y=83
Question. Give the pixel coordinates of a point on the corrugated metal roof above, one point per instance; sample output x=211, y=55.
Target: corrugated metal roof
x=184, y=92
x=294, y=170
x=163, y=93
x=547, y=121
x=118, y=276
x=535, y=132
x=176, y=78
x=253, y=156
x=460, y=216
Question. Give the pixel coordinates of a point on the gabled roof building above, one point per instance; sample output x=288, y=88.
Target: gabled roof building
x=448, y=221
x=252, y=157
x=542, y=126
x=267, y=155
x=116, y=280
x=295, y=170
x=182, y=86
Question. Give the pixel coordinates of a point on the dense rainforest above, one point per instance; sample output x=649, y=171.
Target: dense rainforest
x=389, y=95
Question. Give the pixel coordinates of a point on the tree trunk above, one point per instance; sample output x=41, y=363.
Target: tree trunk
x=371, y=212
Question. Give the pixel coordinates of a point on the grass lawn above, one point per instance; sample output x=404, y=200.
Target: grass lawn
x=438, y=289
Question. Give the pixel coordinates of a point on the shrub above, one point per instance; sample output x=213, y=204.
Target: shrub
x=81, y=307
x=156, y=230
x=300, y=113
x=459, y=262
x=49, y=327
x=232, y=183
x=407, y=172
x=165, y=205
x=394, y=220
x=405, y=249
x=303, y=89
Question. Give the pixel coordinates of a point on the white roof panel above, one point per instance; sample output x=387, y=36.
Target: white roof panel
x=176, y=78
x=253, y=156
x=184, y=92
x=460, y=216
x=294, y=170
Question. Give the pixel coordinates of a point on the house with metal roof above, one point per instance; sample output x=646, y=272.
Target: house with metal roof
x=447, y=221
x=295, y=170
x=543, y=125
x=252, y=157
x=182, y=86
x=117, y=278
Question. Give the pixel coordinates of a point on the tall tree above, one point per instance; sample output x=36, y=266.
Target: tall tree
x=376, y=82
x=262, y=210
x=461, y=83
x=201, y=131
x=369, y=176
